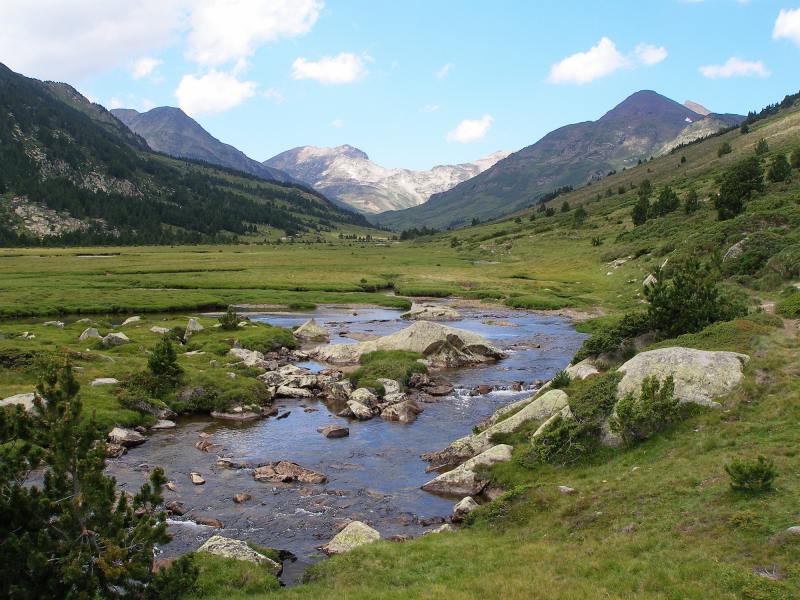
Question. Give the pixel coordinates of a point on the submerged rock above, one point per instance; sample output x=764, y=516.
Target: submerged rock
x=196, y=478
x=354, y=535
x=431, y=313
x=441, y=345
x=239, y=550
x=463, y=480
x=334, y=431
x=311, y=331
x=286, y=471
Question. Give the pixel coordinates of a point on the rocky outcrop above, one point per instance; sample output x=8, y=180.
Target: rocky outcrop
x=311, y=331
x=464, y=480
x=431, y=313
x=700, y=376
x=126, y=437
x=442, y=346
x=251, y=358
x=239, y=550
x=104, y=381
x=285, y=471
x=360, y=411
x=354, y=535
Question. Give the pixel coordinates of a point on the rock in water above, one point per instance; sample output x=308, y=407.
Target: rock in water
x=311, y=331
x=355, y=534
x=88, y=334
x=431, y=313
x=209, y=522
x=196, y=478
x=441, y=345
x=364, y=396
x=286, y=471
x=360, y=411
x=126, y=437
x=402, y=412
x=115, y=339
x=163, y=424
x=237, y=549
x=699, y=375
x=463, y=480
x=334, y=431
x=241, y=498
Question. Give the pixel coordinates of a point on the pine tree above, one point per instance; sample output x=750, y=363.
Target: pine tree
x=692, y=202
x=762, y=147
x=779, y=170
x=794, y=159
x=737, y=186
x=163, y=364
x=641, y=210
x=667, y=202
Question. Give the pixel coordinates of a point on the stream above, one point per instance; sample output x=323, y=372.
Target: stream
x=374, y=475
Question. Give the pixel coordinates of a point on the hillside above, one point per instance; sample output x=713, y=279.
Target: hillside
x=347, y=175
x=573, y=155
x=70, y=172
x=171, y=131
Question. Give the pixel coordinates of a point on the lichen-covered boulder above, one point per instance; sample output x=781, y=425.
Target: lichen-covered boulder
x=463, y=480
x=564, y=413
x=239, y=550
x=311, y=331
x=364, y=396
x=700, y=376
x=390, y=386
x=354, y=535
x=431, y=313
x=286, y=471
x=582, y=370
x=158, y=329
x=360, y=411
x=463, y=507
x=442, y=346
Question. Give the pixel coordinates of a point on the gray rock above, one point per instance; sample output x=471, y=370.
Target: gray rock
x=390, y=386
x=286, y=471
x=25, y=399
x=582, y=370
x=735, y=251
x=338, y=390
x=793, y=530
x=402, y=412
x=237, y=549
x=88, y=334
x=104, y=381
x=193, y=326
x=311, y=331
x=463, y=480
x=699, y=375
x=59, y=324
x=284, y=391
x=334, y=431
x=159, y=330
x=236, y=415
x=163, y=424
x=131, y=320
x=431, y=313
x=360, y=412
x=354, y=535
x=250, y=358
x=115, y=339
x=126, y=437
x=196, y=478
x=463, y=507
x=365, y=397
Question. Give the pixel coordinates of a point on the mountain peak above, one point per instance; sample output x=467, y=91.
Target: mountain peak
x=697, y=107
x=648, y=104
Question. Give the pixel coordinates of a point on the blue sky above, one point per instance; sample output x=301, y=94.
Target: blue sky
x=412, y=83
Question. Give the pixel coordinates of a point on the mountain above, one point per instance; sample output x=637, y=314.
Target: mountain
x=697, y=107
x=171, y=131
x=573, y=155
x=347, y=175
x=72, y=173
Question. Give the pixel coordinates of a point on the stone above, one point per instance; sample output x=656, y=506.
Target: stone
x=582, y=370
x=131, y=320
x=115, y=450
x=208, y=522
x=463, y=507
x=193, y=326
x=285, y=391
x=286, y=471
x=441, y=529
x=735, y=251
x=311, y=331
x=241, y=498
x=390, y=386
x=793, y=530
x=25, y=399
x=159, y=330
x=338, y=390
x=360, y=412
x=649, y=280
x=431, y=313
x=353, y=535
x=89, y=333
x=196, y=478
x=203, y=445
x=176, y=508
x=163, y=424
x=484, y=389
x=365, y=397
x=104, y=381
x=402, y=412
x=442, y=389
x=419, y=380
x=237, y=549
x=115, y=339
x=126, y=437
x=699, y=375
x=250, y=358
x=565, y=489
x=463, y=480
x=334, y=431
x=442, y=346
x=240, y=415
x=564, y=413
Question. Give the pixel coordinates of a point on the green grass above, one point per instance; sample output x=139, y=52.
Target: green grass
x=230, y=578
x=386, y=364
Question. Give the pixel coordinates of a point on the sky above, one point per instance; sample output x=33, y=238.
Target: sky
x=412, y=83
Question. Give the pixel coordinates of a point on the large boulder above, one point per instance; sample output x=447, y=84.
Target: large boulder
x=431, y=313
x=390, y=386
x=360, y=411
x=364, y=396
x=26, y=400
x=354, y=535
x=441, y=345
x=285, y=471
x=250, y=358
x=582, y=370
x=464, y=480
x=402, y=412
x=126, y=437
x=89, y=333
x=311, y=331
x=193, y=327
x=115, y=339
x=230, y=548
x=699, y=375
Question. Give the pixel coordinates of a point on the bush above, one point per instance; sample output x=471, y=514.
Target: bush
x=692, y=202
x=565, y=207
x=655, y=409
x=610, y=339
x=597, y=241
x=762, y=147
x=579, y=217
x=176, y=581
x=737, y=185
x=725, y=148
x=230, y=320
x=666, y=202
x=790, y=307
x=562, y=442
x=560, y=380
x=794, y=159
x=779, y=170
x=388, y=364
x=163, y=365
x=752, y=476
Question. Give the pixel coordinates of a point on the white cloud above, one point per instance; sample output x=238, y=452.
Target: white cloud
x=337, y=123
x=429, y=108
x=215, y=91
x=228, y=30
x=144, y=66
x=114, y=103
x=649, y=55
x=470, y=130
x=787, y=25
x=444, y=70
x=53, y=39
x=274, y=95
x=734, y=67
x=603, y=59
x=342, y=68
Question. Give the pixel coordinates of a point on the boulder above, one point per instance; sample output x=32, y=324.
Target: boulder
x=582, y=370
x=431, y=313
x=285, y=391
x=58, y=324
x=403, y=412
x=463, y=480
x=699, y=375
x=163, y=424
x=736, y=250
x=159, y=330
x=442, y=346
x=334, y=431
x=463, y=507
x=89, y=333
x=241, y=498
x=237, y=549
x=286, y=471
x=565, y=489
x=193, y=326
x=355, y=534
x=236, y=415
x=176, y=508
x=649, y=280
x=311, y=331
x=209, y=522
x=104, y=381
x=441, y=389
x=564, y=413
x=196, y=478
x=365, y=397
x=26, y=400
x=115, y=339
x=115, y=450
x=338, y=390
x=131, y=320
x=250, y=358
x=441, y=529
x=126, y=437
x=390, y=386
x=360, y=411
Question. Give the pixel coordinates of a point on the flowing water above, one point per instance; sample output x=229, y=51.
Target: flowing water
x=374, y=475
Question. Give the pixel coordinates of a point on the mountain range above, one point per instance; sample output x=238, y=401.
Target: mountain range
x=346, y=175
x=641, y=126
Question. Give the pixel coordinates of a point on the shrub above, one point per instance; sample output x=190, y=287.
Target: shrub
x=691, y=203
x=744, y=128
x=790, y=307
x=562, y=442
x=565, y=207
x=610, y=339
x=794, y=159
x=640, y=212
x=655, y=409
x=762, y=147
x=737, y=185
x=580, y=215
x=163, y=364
x=779, y=169
x=752, y=476
x=597, y=241
x=230, y=320
x=176, y=581
x=725, y=148
x=560, y=380
x=666, y=202
x=389, y=364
